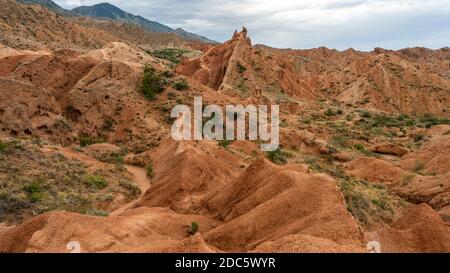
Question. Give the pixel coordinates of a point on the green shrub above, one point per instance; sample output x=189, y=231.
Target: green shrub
x=419, y=166
x=340, y=141
x=418, y=137
x=131, y=188
x=86, y=140
x=152, y=83
x=329, y=112
x=33, y=187
x=4, y=147
x=357, y=203
x=277, y=156
x=34, y=191
x=171, y=54
x=171, y=95
x=224, y=143
x=382, y=204
x=360, y=147
x=366, y=114
x=194, y=227
x=150, y=172
x=241, y=68
x=97, y=212
x=349, y=117
x=181, y=85
x=96, y=181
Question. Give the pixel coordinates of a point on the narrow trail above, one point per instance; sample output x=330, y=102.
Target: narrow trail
x=139, y=175
x=141, y=180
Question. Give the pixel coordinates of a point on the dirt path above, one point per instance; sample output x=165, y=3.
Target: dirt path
x=141, y=180
x=139, y=175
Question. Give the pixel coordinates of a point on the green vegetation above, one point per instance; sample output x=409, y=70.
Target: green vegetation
x=340, y=141
x=224, y=143
x=419, y=166
x=194, y=228
x=402, y=120
x=96, y=181
x=368, y=202
x=152, y=83
x=330, y=112
x=33, y=182
x=35, y=191
x=9, y=146
x=97, y=212
x=4, y=147
x=86, y=140
x=171, y=54
x=241, y=68
x=108, y=124
x=171, y=95
x=418, y=137
x=407, y=179
x=278, y=156
x=349, y=117
x=133, y=190
x=149, y=168
x=181, y=85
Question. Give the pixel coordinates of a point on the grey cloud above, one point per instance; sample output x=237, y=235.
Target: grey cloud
x=361, y=24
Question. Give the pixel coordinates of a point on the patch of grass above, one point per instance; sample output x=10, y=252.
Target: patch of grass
x=11, y=204
x=366, y=114
x=418, y=137
x=171, y=95
x=368, y=202
x=86, y=140
x=418, y=167
x=349, y=117
x=181, y=85
x=35, y=191
x=33, y=182
x=382, y=203
x=152, y=83
x=340, y=141
x=278, y=156
x=9, y=146
x=131, y=188
x=96, y=181
x=4, y=147
x=357, y=203
x=429, y=121
x=330, y=112
x=171, y=54
x=33, y=187
x=407, y=179
x=97, y=212
x=362, y=149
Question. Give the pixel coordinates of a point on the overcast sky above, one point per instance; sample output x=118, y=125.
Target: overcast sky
x=341, y=24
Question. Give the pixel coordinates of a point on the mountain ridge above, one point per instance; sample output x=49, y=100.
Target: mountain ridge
x=108, y=11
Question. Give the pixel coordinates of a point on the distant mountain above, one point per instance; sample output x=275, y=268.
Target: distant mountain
x=192, y=36
x=111, y=12
x=108, y=11
x=49, y=5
